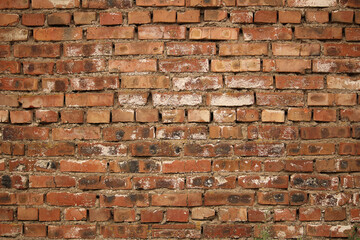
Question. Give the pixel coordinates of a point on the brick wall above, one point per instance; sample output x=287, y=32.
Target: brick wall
x=179, y=118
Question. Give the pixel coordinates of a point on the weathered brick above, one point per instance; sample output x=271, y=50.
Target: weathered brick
x=110, y=33
x=58, y=34
x=161, y=32
x=214, y=33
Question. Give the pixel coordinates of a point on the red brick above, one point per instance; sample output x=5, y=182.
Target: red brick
x=16, y=4
x=176, y=199
x=71, y=231
x=99, y=215
x=46, y=116
x=257, y=215
x=147, y=115
x=10, y=230
x=243, y=49
x=87, y=49
x=247, y=115
x=189, y=16
x=186, y=166
x=265, y=16
x=309, y=214
x=213, y=33
x=148, y=48
x=9, y=66
x=161, y=32
x=324, y=132
x=5, y=51
x=55, y=84
x=33, y=19
x=284, y=215
x=190, y=48
x=273, y=132
x=184, y=65
x=309, y=149
x=317, y=16
x=227, y=231
x=45, y=50
x=154, y=149
x=21, y=116
x=260, y=3
x=286, y=65
x=113, y=18
x=18, y=84
x=173, y=116
x=102, y=149
x=83, y=166
x=143, y=82
x=335, y=214
x=47, y=149
x=202, y=213
x=280, y=99
x=325, y=115
x=30, y=198
x=25, y=133
x=38, y=68
x=150, y=216
x=345, y=50
x=230, y=65
x=124, y=231
x=55, y=4
x=59, y=19
x=218, y=198
x=8, y=19
x=122, y=115
x=35, y=230
x=352, y=115
x=350, y=3
x=6, y=214
x=139, y=17
x=164, y=16
x=133, y=65
x=342, y=16
x=84, y=18
x=177, y=215
x=224, y=115
x=289, y=16
x=215, y=15
x=238, y=16
x=110, y=33
x=160, y=3
x=299, y=82
x=259, y=149
x=309, y=3
x=89, y=99
x=98, y=116
x=296, y=49
x=58, y=34
x=75, y=214
x=267, y=33
x=70, y=199
x=72, y=116
x=319, y=33
x=13, y=34
x=124, y=200
x=27, y=214
x=133, y=98
x=104, y=4
x=80, y=66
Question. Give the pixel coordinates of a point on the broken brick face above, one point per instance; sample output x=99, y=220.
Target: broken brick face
x=179, y=119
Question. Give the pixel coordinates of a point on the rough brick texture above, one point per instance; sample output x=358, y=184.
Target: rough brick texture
x=179, y=119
